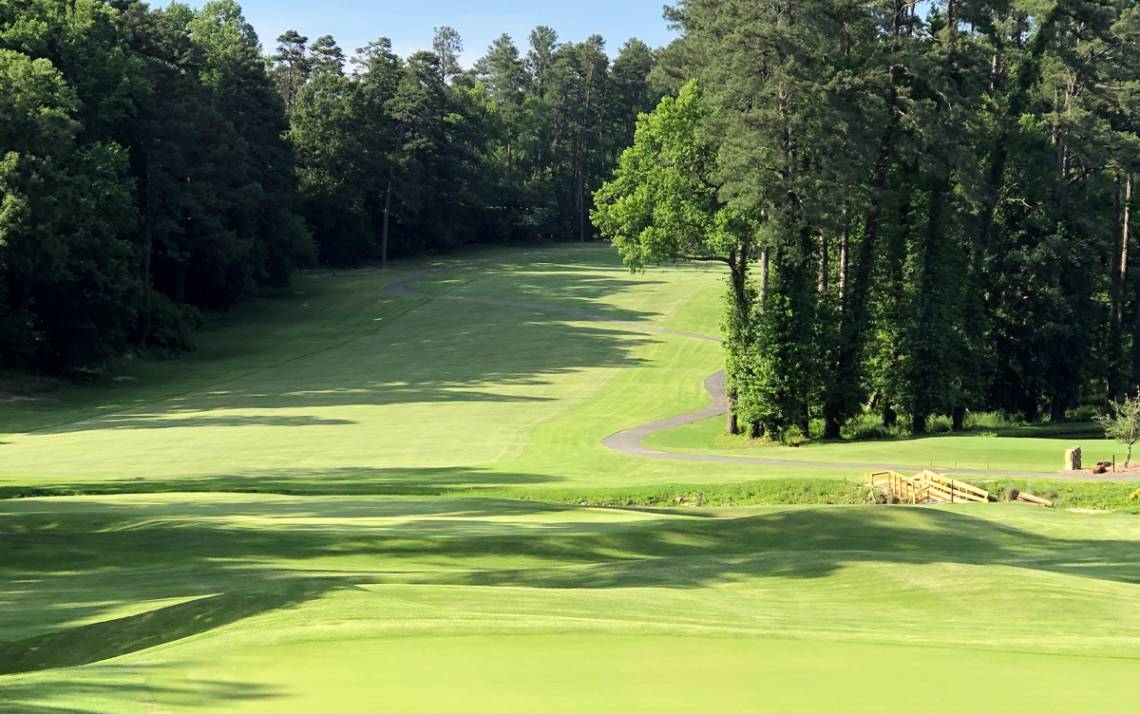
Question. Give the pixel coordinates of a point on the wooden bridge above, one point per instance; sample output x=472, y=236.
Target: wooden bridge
x=933, y=487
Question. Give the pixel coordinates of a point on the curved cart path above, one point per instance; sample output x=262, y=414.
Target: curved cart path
x=631, y=441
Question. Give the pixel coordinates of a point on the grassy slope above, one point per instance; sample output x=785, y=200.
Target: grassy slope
x=334, y=388
x=949, y=451
x=337, y=394
x=299, y=603
x=425, y=602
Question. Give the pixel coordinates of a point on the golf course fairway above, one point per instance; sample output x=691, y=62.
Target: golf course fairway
x=379, y=492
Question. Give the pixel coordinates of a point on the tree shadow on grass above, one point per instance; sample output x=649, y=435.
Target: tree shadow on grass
x=111, y=638
x=808, y=544
x=120, y=683
x=441, y=350
x=327, y=328
x=347, y=481
x=72, y=563
x=125, y=421
x=492, y=362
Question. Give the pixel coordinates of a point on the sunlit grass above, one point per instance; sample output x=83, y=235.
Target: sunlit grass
x=437, y=555
x=204, y=601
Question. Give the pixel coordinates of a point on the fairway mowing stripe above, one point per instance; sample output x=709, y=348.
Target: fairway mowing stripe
x=229, y=378
x=629, y=442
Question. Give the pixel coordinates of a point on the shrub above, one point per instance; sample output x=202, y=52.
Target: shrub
x=171, y=327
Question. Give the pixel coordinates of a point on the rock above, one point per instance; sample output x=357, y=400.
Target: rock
x=1073, y=459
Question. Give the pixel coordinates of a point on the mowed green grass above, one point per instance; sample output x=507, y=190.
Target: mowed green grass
x=945, y=451
x=347, y=388
x=229, y=602
x=319, y=511
x=342, y=387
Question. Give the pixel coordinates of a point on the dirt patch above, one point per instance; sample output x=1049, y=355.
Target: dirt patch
x=1132, y=470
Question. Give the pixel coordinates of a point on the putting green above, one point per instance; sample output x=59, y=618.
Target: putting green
x=273, y=603
x=405, y=575
x=575, y=673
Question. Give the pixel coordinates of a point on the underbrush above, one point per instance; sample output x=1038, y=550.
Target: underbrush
x=767, y=492
x=1100, y=496
x=1103, y=496
x=867, y=427
x=21, y=385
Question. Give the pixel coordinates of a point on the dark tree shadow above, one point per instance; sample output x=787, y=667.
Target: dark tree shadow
x=111, y=638
x=74, y=562
x=126, y=421
x=33, y=697
x=346, y=481
x=431, y=366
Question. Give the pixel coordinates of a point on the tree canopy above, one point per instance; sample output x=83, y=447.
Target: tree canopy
x=155, y=162
x=939, y=198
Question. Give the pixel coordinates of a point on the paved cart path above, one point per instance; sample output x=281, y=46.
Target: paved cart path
x=631, y=441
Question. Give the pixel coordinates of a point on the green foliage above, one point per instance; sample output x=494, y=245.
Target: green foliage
x=1069, y=494
x=944, y=193
x=416, y=154
x=662, y=202
x=1122, y=422
x=790, y=491
x=65, y=210
x=144, y=173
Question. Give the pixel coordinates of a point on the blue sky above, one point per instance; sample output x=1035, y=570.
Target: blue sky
x=409, y=23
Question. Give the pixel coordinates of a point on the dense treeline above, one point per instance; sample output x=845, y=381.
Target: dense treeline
x=926, y=208
x=406, y=154
x=145, y=173
x=154, y=162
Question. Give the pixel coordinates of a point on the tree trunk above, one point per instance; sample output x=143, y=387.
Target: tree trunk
x=959, y=419
x=890, y=416
x=1031, y=410
x=1124, y=232
x=738, y=267
x=384, y=230
x=148, y=251
x=1057, y=410
x=1124, y=226
x=764, y=262
x=931, y=372
x=851, y=326
x=1118, y=261
x=1129, y=182
x=951, y=26
x=843, y=237
x=581, y=203
x=180, y=282
x=824, y=265
x=853, y=323
x=918, y=424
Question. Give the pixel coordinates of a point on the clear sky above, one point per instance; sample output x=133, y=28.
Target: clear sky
x=409, y=23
